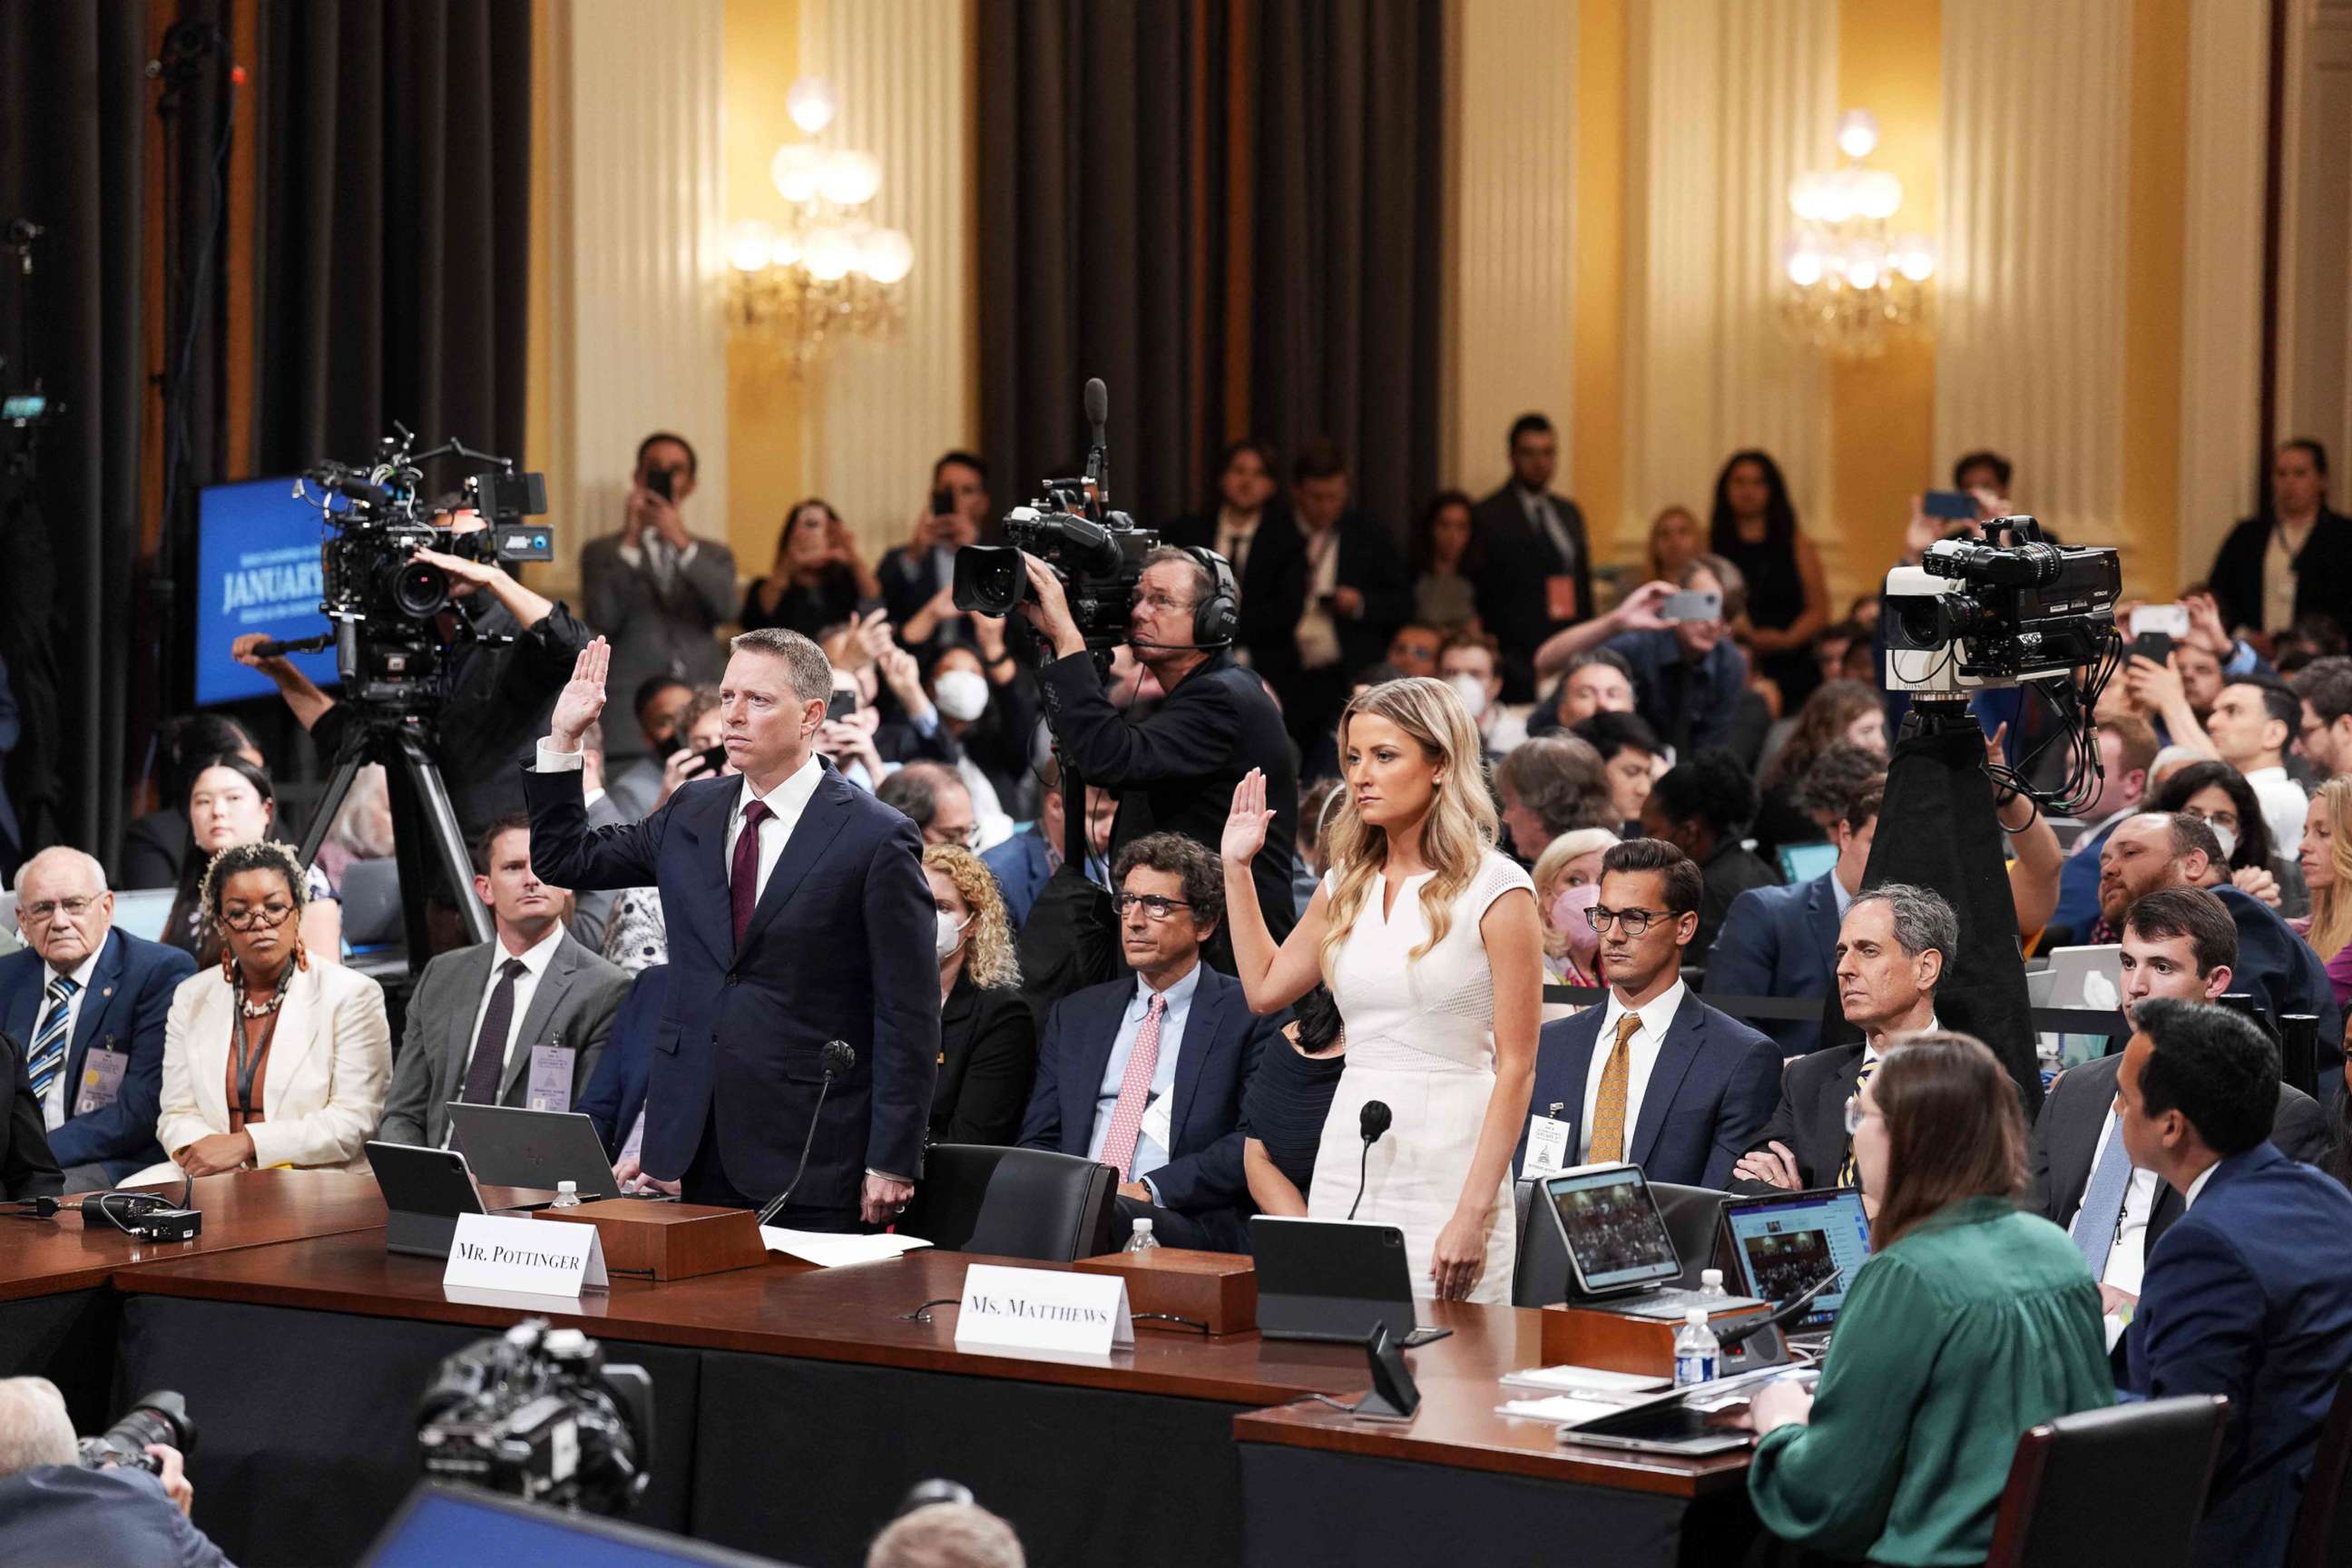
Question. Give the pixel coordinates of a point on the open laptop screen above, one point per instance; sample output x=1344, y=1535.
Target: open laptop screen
x=1610, y=1224
x=1783, y=1244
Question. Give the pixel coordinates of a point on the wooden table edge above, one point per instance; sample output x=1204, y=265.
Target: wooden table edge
x=1330, y=1432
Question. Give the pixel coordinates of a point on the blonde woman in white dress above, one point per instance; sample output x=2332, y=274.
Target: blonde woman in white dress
x=1428, y=939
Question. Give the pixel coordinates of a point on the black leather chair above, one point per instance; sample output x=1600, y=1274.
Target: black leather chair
x=2063, y=1508
x=2323, y=1530
x=1012, y=1203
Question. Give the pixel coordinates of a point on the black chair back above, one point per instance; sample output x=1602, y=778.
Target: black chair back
x=2062, y=1507
x=1694, y=1219
x=2323, y=1530
x=1012, y=1203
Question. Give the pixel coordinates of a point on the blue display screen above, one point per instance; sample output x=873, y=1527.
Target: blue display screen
x=256, y=570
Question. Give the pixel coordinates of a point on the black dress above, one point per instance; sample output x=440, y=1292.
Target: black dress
x=1776, y=597
x=1286, y=1103
x=810, y=611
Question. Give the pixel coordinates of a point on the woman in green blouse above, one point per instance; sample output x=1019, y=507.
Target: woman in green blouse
x=1970, y=1323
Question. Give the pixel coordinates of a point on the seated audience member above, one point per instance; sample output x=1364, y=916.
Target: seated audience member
x=946, y=1535
x=1839, y=710
x=2179, y=943
x=2325, y=685
x=155, y=846
x=480, y=1016
x=53, y=1510
x=1701, y=805
x=1472, y=663
x=2127, y=749
x=1445, y=558
x=817, y=581
x=2274, y=965
x=988, y=705
x=1653, y=1075
x=2328, y=872
x=1782, y=941
x=988, y=1037
x=1893, y=948
x=1596, y=682
x=1969, y=1324
x=932, y=797
x=1690, y=681
x=615, y=1099
x=1023, y=863
x=89, y=1003
x=231, y=801
x=2218, y=796
x=1633, y=756
x=270, y=1057
x=2250, y=1293
x=362, y=829
x=1548, y=786
x=1112, y=1052
x=1287, y=1101
x=2252, y=723
x=28, y=1169
x=1413, y=649
x=1568, y=884
x=660, y=707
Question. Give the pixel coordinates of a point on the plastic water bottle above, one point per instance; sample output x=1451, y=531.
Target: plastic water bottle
x=1697, y=1356
x=1711, y=1286
x=567, y=1194
x=1142, y=1240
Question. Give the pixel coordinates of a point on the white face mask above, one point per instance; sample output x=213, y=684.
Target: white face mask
x=2227, y=837
x=961, y=694
x=1473, y=692
x=950, y=936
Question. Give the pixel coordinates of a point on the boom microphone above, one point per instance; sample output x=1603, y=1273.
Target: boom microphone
x=1371, y=1122
x=1099, y=455
x=839, y=1056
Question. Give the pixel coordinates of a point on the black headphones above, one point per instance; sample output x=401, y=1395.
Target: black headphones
x=1216, y=618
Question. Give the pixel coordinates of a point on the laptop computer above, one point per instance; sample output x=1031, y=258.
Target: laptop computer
x=1334, y=1280
x=1781, y=1243
x=509, y=1146
x=2087, y=977
x=426, y=1190
x=1804, y=862
x=1620, y=1249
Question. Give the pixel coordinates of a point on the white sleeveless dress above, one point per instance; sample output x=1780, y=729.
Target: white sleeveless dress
x=1421, y=1037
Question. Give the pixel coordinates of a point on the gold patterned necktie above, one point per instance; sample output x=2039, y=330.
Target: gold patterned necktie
x=1848, y=1176
x=1608, y=1106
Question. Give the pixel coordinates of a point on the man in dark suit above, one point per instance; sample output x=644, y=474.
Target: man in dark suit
x=1023, y=863
x=1653, y=1075
x=86, y=1005
x=2250, y=1293
x=28, y=1169
x=521, y=1019
x=1536, y=575
x=1322, y=596
x=1147, y=1074
x=2177, y=943
x=2317, y=541
x=1892, y=949
x=1782, y=941
x=798, y=914
x=1175, y=771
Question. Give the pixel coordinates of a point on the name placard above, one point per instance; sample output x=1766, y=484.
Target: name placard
x=500, y=1252
x=1039, y=1308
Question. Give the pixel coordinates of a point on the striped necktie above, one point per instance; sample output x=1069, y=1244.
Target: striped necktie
x=1848, y=1176
x=48, y=1054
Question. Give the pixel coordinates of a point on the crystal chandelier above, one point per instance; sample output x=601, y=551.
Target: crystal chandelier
x=826, y=272
x=1854, y=283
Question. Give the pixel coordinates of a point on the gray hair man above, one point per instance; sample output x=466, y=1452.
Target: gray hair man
x=53, y=1510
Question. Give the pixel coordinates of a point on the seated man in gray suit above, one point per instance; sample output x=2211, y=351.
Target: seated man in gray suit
x=2179, y=942
x=518, y=1020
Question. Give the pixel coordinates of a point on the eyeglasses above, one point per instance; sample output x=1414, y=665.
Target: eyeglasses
x=1154, y=905
x=1635, y=921
x=1159, y=602
x=1855, y=1114
x=42, y=912
x=969, y=837
x=267, y=915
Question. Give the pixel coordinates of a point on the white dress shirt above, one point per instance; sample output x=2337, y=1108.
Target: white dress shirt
x=2128, y=1260
x=54, y=1104
x=1657, y=1016
x=1235, y=534
x=535, y=960
x=1317, y=632
x=2188, y=1198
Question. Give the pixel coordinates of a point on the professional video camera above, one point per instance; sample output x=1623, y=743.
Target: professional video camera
x=537, y=1414
x=160, y=1417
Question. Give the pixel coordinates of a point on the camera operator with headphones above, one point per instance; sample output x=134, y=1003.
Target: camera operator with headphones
x=1175, y=771
x=53, y=1509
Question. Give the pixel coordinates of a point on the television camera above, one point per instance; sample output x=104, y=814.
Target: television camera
x=538, y=1415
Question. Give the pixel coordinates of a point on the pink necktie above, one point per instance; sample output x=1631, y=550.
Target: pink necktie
x=1134, y=1089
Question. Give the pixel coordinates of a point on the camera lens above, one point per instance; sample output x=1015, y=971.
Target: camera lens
x=419, y=590
x=989, y=579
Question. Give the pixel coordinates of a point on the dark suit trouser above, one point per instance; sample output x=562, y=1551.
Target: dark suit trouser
x=705, y=1181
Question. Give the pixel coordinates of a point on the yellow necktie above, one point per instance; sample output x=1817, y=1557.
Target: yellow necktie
x=1848, y=1176
x=1608, y=1106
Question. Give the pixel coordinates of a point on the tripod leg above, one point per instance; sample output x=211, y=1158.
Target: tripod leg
x=338, y=784
x=447, y=850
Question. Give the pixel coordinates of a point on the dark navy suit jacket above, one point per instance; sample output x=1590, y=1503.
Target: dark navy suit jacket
x=1711, y=1090
x=616, y=1090
x=2250, y=1295
x=839, y=948
x=130, y=997
x=2279, y=967
x=1779, y=941
x=1202, y=1178
x=1021, y=869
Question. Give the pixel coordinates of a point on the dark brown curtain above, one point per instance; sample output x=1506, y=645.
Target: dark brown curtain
x=1228, y=212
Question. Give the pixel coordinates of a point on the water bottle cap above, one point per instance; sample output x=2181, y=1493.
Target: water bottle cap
x=567, y=1186
x=1694, y=1316
x=1711, y=1278
x=1143, y=1227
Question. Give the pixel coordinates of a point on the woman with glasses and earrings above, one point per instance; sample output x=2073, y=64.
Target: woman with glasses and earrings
x=230, y=802
x=271, y=1058
x=988, y=1037
x=1428, y=939
x=1969, y=1323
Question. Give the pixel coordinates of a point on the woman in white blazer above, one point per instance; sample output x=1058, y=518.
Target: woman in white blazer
x=272, y=1059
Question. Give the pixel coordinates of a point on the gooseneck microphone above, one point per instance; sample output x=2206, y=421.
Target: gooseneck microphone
x=839, y=1056
x=1099, y=455
x=1371, y=1122
x=1780, y=1317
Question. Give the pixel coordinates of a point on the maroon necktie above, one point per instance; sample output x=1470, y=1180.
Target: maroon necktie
x=743, y=883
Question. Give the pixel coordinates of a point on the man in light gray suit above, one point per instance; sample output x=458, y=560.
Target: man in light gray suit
x=519, y=1020
x=656, y=592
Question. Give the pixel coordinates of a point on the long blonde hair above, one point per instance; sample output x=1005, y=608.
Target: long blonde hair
x=1455, y=835
x=2331, y=907
x=988, y=955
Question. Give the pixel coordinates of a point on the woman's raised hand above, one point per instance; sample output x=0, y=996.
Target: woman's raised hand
x=1245, y=825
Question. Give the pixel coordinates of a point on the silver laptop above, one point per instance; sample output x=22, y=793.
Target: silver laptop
x=508, y=1146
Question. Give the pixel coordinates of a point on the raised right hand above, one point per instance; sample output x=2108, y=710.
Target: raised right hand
x=582, y=697
x=1245, y=825
x=1639, y=612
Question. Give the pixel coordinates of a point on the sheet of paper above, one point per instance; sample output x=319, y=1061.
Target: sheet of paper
x=1557, y=1408
x=827, y=1249
x=1587, y=1382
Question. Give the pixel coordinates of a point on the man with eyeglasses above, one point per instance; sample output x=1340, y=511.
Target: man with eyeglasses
x=86, y=1004
x=934, y=799
x=1892, y=949
x=1653, y=1075
x=1147, y=1074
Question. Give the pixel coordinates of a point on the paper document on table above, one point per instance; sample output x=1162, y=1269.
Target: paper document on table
x=1560, y=1407
x=1585, y=1382
x=828, y=1249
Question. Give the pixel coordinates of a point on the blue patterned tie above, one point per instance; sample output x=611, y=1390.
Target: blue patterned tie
x=2102, y=1213
x=48, y=1054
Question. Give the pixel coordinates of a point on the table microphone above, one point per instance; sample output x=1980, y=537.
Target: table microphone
x=839, y=1058
x=1780, y=1317
x=1371, y=1122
